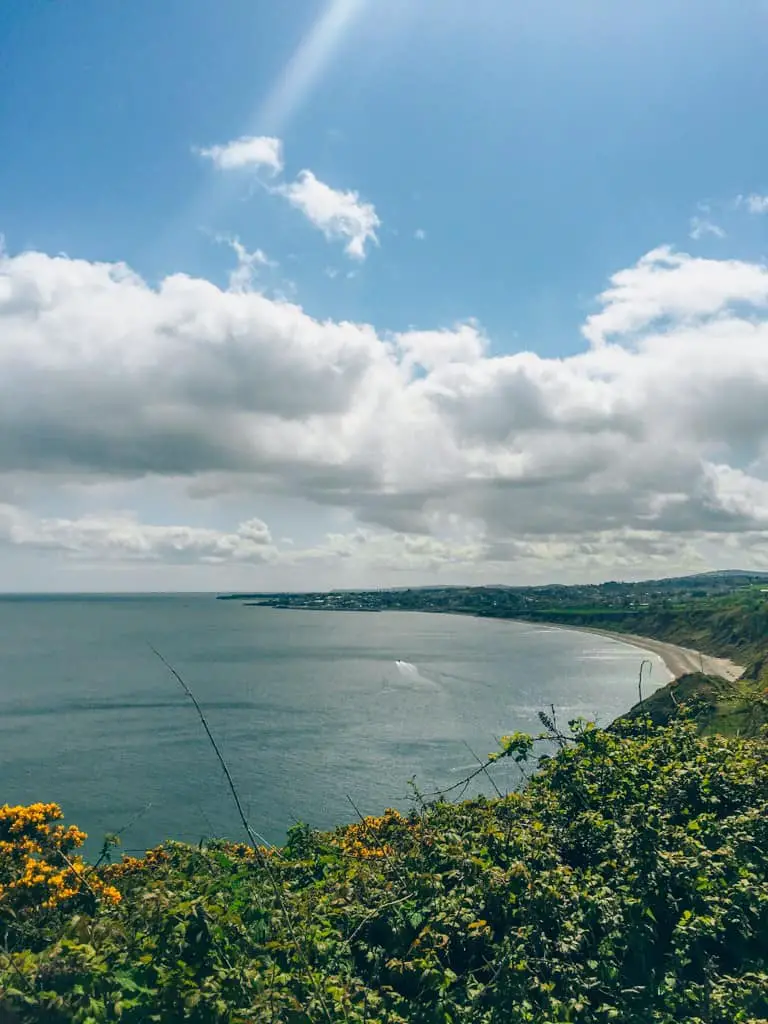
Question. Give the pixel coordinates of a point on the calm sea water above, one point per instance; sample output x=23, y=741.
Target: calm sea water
x=310, y=708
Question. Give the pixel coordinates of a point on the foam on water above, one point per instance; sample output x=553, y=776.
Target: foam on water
x=411, y=674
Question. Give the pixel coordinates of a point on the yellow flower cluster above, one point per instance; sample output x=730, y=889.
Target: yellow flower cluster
x=35, y=867
x=247, y=852
x=368, y=838
x=242, y=850
x=129, y=865
x=33, y=816
x=356, y=848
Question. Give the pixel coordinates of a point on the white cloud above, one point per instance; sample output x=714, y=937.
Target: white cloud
x=431, y=349
x=756, y=203
x=248, y=151
x=121, y=537
x=667, y=284
x=365, y=556
x=339, y=215
x=242, y=278
x=648, y=448
x=183, y=365
x=420, y=234
x=700, y=227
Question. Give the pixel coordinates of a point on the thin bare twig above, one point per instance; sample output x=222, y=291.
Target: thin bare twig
x=115, y=836
x=485, y=769
x=81, y=875
x=252, y=837
x=643, y=663
x=248, y=831
x=464, y=782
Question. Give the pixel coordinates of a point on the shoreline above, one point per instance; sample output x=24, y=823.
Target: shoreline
x=677, y=660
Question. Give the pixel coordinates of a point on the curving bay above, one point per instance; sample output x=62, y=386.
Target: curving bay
x=310, y=708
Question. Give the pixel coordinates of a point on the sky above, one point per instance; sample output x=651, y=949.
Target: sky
x=354, y=293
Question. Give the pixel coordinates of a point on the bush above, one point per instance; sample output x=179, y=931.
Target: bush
x=627, y=882
x=38, y=870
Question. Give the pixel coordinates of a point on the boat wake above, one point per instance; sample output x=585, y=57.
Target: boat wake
x=410, y=674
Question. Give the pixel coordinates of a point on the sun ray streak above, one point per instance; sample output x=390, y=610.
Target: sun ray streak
x=307, y=64
x=272, y=116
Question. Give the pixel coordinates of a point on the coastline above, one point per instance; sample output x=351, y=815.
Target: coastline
x=677, y=660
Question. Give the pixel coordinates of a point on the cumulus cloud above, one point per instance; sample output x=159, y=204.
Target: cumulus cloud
x=649, y=446
x=430, y=349
x=667, y=284
x=99, y=371
x=121, y=537
x=339, y=215
x=364, y=555
x=395, y=551
x=254, y=151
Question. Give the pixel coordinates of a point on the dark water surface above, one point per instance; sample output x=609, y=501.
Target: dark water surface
x=308, y=707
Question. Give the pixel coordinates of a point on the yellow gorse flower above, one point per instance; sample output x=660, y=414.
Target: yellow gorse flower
x=368, y=838
x=37, y=868
x=132, y=865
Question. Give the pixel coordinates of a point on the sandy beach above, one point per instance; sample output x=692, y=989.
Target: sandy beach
x=678, y=660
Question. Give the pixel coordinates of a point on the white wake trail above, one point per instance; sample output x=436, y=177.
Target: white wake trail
x=410, y=674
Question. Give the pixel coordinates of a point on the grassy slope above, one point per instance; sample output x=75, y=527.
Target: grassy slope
x=716, y=705
x=733, y=625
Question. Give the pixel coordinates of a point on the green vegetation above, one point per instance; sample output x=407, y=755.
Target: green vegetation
x=626, y=881
x=717, y=706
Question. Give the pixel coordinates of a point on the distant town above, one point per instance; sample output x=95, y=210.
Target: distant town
x=650, y=606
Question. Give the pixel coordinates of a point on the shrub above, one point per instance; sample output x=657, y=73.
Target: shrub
x=627, y=882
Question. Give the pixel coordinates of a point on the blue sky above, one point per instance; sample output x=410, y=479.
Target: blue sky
x=539, y=145
x=516, y=155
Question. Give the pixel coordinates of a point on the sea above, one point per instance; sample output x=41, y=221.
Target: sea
x=320, y=716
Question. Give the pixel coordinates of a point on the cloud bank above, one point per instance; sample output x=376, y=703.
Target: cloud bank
x=646, y=448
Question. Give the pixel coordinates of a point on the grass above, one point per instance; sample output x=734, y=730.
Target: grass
x=717, y=706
